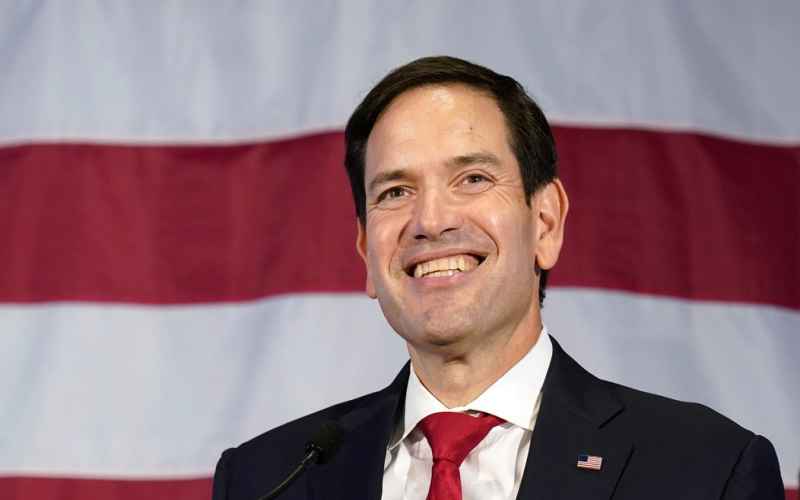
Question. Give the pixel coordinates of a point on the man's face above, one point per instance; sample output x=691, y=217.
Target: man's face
x=450, y=242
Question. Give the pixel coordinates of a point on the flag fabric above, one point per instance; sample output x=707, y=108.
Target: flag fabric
x=178, y=272
x=590, y=462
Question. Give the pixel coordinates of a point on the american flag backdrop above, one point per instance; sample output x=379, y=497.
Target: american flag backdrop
x=177, y=263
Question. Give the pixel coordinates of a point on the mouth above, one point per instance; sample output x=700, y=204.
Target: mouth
x=445, y=266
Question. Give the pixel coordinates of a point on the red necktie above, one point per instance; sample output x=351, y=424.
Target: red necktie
x=452, y=436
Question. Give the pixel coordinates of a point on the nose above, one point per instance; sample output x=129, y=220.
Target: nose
x=434, y=215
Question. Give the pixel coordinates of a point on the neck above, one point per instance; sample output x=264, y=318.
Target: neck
x=457, y=375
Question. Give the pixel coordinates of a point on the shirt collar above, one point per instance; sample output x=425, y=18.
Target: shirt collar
x=513, y=397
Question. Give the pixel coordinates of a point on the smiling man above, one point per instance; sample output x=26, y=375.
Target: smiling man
x=460, y=215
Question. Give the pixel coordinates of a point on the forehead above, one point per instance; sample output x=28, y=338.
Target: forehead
x=432, y=124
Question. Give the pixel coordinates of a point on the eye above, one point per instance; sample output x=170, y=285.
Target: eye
x=474, y=179
x=475, y=183
x=393, y=193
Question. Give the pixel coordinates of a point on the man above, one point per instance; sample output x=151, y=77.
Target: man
x=460, y=215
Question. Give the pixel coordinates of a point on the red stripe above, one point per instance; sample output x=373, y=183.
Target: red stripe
x=673, y=214
x=45, y=488
x=175, y=224
x=681, y=214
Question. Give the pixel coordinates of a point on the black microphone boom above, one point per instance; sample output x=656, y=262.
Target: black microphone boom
x=319, y=450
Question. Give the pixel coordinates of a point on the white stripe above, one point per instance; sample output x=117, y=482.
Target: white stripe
x=134, y=391
x=210, y=71
x=130, y=391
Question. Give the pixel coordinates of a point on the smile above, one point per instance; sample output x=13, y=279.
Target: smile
x=445, y=266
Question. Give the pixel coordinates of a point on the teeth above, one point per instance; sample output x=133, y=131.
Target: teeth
x=436, y=274
x=446, y=266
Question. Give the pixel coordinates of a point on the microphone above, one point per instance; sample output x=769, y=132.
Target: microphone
x=320, y=449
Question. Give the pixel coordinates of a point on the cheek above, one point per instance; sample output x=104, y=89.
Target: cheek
x=382, y=244
x=513, y=235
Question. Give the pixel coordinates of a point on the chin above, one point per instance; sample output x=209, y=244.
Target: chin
x=443, y=329
x=435, y=324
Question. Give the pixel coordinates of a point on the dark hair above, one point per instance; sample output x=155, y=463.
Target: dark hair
x=530, y=137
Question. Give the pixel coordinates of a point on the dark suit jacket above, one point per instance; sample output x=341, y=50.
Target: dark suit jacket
x=652, y=448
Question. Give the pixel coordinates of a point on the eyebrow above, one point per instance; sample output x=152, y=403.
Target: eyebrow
x=384, y=177
x=478, y=158
x=481, y=157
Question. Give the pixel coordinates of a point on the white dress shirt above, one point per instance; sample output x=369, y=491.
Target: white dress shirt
x=493, y=470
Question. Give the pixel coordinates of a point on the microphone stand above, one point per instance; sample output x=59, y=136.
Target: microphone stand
x=311, y=456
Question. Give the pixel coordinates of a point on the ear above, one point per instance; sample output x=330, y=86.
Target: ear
x=361, y=248
x=551, y=206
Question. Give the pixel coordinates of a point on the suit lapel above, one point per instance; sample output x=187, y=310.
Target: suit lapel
x=357, y=469
x=575, y=408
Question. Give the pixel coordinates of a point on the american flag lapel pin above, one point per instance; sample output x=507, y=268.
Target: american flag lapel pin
x=591, y=462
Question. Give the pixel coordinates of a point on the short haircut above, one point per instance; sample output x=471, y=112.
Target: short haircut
x=529, y=134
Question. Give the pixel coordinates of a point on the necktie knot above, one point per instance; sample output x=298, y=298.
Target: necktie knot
x=452, y=436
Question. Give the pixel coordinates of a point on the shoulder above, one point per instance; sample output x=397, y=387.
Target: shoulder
x=697, y=444
x=689, y=449
x=675, y=419
x=257, y=465
x=691, y=441
x=644, y=417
